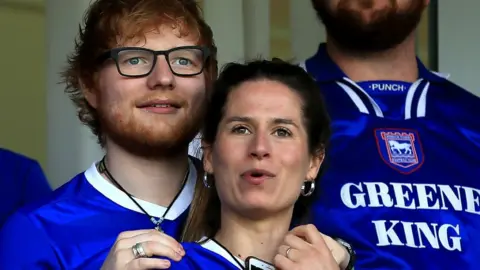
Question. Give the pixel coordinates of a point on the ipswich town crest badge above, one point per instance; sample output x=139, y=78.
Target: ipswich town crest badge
x=401, y=149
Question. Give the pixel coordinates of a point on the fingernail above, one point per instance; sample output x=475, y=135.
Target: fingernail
x=176, y=257
x=165, y=263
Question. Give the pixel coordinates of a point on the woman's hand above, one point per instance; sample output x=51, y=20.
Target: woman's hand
x=305, y=248
x=133, y=249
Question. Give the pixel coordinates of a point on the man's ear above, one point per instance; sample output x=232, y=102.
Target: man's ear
x=90, y=94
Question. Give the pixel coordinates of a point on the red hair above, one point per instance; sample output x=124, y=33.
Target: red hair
x=110, y=23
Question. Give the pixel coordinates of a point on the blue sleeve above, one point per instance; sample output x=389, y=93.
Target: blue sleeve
x=36, y=184
x=183, y=264
x=25, y=246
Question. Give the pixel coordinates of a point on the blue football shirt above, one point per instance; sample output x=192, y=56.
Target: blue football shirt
x=402, y=178
x=22, y=181
x=78, y=225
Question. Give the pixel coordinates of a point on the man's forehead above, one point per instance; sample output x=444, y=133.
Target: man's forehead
x=174, y=35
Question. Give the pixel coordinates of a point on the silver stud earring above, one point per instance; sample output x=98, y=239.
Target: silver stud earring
x=308, y=191
x=205, y=180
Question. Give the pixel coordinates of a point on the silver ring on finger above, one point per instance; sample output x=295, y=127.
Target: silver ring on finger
x=288, y=251
x=138, y=251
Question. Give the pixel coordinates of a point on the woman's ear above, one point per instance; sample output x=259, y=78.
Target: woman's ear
x=207, y=157
x=315, y=163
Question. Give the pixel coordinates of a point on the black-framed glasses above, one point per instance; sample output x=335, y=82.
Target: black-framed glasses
x=137, y=62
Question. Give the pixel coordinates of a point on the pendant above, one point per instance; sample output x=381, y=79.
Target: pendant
x=157, y=223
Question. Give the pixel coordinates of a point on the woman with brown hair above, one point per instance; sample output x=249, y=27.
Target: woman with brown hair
x=264, y=140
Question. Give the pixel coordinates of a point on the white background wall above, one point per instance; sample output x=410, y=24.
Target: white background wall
x=71, y=148
x=459, y=42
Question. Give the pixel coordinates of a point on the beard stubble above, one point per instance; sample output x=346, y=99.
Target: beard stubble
x=142, y=140
x=386, y=28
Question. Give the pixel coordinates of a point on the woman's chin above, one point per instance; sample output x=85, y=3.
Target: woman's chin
x=256, y=200
x=257, y=208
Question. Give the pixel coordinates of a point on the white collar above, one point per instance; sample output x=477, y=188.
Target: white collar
x=216, y=248
x=119, y=197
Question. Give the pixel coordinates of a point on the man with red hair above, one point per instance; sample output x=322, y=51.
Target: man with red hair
x=138, y=78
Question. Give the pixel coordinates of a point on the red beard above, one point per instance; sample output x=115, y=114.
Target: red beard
x=139, y=135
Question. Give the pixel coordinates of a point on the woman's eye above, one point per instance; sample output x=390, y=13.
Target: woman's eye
x=240, y=130
x=282, y=132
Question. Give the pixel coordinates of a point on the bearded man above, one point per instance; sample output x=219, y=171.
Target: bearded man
x=402, y=179
x=138, y=77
